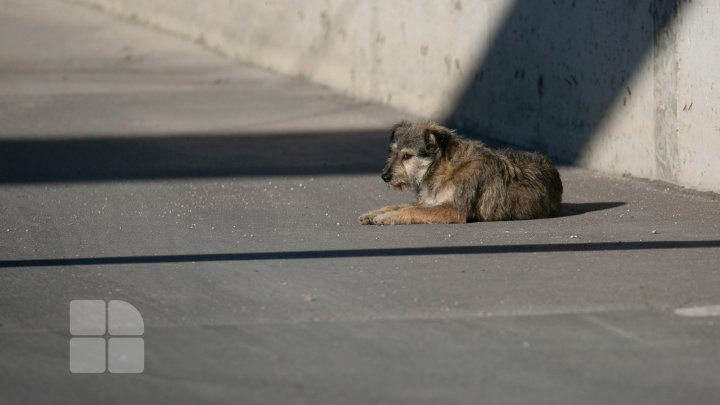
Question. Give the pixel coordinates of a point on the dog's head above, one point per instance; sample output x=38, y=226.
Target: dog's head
x=413, y=148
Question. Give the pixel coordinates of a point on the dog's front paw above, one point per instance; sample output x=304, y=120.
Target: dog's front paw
x=367, y=218
x=387, y=218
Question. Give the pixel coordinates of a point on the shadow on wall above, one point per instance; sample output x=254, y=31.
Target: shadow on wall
x=555, y=69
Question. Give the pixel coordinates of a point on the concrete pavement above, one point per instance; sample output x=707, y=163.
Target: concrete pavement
x=221, y=201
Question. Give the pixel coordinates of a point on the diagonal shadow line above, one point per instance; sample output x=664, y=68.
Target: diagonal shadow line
x=554, y=71
x=348, y=253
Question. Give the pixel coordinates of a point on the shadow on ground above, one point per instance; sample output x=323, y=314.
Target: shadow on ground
x=351, y=253
x=572, y=209
x=191, y=156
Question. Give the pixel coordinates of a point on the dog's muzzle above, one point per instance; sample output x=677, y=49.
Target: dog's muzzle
x=386, y=177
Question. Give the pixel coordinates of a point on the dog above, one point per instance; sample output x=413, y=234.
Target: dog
x=456, y=180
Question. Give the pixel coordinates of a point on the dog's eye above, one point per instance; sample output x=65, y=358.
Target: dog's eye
x=407, y=156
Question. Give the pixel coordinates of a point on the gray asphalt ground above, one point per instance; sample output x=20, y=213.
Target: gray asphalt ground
x=221, y=201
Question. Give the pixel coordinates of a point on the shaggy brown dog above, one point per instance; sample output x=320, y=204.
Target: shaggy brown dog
x=457, y=180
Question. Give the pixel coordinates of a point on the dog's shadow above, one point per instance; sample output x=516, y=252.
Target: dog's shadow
x=572, y=209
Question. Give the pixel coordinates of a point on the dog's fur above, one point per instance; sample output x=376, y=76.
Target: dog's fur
x=457, y=180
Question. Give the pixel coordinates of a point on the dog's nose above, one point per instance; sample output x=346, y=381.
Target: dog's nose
x=386, y=177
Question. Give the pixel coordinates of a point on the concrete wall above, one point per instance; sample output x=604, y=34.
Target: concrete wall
x=622, y=86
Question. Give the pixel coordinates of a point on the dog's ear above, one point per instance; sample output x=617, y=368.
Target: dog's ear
x=438, y=137
x=395, y=128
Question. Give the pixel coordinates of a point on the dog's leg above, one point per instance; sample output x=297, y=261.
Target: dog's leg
x=418, y=214
x=367, y=218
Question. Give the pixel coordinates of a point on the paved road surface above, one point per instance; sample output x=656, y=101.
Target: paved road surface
x=221, y=201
